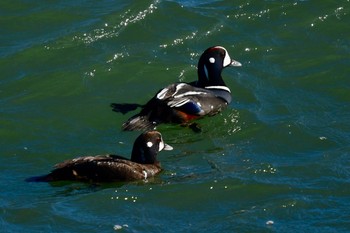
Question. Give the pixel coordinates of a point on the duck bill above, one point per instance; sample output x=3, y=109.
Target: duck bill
x=235, y=63
x=164, y=146
x=167, y=147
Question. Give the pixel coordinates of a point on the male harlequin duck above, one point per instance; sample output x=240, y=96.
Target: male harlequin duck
x=183, y=102
x=107, y=168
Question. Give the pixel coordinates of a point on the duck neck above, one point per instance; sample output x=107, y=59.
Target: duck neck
x=143, y=156
x=209, y=76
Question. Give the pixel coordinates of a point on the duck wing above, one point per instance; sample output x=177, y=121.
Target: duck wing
x=193, y=100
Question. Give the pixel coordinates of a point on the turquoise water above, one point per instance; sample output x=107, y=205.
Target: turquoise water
x=280, y=152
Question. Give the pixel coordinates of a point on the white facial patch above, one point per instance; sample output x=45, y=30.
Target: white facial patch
x=227, y=59
x=161, y=145
x=212, y=60
x=149, y=144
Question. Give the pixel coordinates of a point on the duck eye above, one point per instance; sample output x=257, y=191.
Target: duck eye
x=212, y=60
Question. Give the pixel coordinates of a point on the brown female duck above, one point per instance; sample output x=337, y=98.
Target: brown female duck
x=106, y=168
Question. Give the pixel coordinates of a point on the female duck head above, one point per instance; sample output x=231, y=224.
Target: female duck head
x=147, y=146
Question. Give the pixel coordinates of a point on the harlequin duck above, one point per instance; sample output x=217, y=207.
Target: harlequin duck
x=183, y=102
x=107, y=168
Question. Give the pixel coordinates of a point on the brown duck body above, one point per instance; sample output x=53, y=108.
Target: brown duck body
x=102, y=168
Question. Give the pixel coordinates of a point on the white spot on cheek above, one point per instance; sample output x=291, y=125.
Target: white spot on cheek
x=149, y=144
x=212, y=60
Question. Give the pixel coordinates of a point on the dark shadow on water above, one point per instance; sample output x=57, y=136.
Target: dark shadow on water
x=124, y=107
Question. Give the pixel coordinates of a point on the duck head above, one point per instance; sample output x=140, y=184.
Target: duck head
x=147, y=146
x=210, y=65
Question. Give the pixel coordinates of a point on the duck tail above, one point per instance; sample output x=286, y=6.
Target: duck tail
x=43, y=178
x=139, y=122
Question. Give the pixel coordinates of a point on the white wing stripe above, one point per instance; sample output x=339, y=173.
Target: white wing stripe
x=190, y=93
x=162, y=93
x=178, y=104
x=219, y=87
x=178, y=87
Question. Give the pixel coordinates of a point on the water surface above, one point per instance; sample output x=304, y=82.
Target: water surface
x=280, y=152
